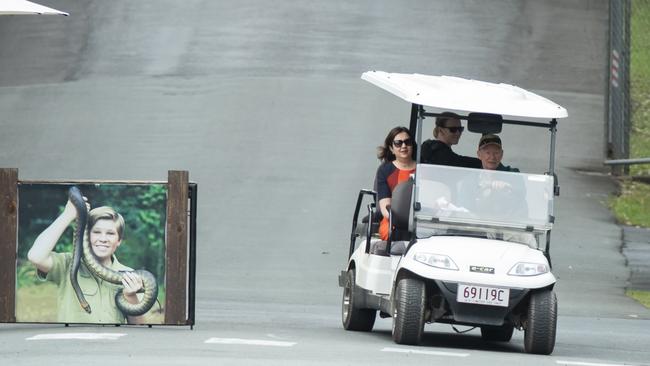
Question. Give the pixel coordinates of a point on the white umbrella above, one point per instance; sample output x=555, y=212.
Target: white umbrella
x=17, y=7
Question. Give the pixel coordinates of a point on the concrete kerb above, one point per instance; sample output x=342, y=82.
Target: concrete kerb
x=636, y=249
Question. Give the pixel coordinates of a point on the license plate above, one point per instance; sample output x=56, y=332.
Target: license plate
x=483, y=295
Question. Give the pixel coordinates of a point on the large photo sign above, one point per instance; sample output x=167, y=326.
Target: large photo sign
x=91, y=253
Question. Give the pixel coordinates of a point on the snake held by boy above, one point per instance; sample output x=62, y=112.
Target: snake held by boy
x=83, y=251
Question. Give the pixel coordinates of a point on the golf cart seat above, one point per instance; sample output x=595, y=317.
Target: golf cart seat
x=399, y=208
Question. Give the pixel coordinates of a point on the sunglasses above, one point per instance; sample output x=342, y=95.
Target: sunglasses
x=407, y=142
x=459, y=129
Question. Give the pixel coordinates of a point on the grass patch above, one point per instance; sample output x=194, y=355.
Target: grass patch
x=640, y=84
x=38, y=303
x=632, y=207
x=641, y=296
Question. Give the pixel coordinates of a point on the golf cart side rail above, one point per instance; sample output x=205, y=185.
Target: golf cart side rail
x=355, y=218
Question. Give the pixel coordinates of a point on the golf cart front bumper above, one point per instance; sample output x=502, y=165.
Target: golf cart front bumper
x=476, y=314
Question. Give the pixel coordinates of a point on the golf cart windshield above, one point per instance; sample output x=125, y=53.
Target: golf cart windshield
x=484, y=200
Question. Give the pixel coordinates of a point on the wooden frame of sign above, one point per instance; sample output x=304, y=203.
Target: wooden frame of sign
x=180, y=242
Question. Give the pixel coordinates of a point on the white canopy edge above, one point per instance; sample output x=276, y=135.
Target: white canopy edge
x=20, y=7
x=463, y=96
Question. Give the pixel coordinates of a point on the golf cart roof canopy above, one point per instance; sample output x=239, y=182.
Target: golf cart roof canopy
x=464, y=96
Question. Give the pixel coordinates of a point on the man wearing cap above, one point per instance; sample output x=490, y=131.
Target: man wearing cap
x=496, y=196
x=490, y=153
x=488, y=192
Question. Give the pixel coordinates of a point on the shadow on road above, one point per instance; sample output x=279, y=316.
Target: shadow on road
x=456, y=341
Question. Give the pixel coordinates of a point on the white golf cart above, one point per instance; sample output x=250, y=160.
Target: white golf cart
x=467, y=246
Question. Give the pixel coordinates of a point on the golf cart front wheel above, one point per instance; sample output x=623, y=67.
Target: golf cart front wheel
x=541, y=325
x=408, y=311
x=353, y=317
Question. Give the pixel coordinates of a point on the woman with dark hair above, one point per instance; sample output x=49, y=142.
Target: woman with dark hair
x=397, y=165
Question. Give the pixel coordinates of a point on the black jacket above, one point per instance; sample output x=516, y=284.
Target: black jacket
x=437, y=152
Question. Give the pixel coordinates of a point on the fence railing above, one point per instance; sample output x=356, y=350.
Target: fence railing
x=627, y=161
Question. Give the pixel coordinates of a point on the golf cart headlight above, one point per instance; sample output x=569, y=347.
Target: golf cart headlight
x=528, y=269
x=436, y=260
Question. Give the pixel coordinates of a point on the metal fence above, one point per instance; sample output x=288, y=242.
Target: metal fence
x=629, y=81
x=618, y=115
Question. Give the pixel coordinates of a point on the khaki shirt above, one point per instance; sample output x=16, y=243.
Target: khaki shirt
x=100, y=294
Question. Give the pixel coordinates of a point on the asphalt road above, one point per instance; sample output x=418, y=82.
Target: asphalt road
x=263, y=104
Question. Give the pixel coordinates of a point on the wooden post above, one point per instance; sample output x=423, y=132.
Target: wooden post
x=176, y=283
x=8, y=227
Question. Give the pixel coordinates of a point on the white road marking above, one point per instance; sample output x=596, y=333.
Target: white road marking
x=82, y=336
x=579, y=363
x=422, y=352
x=249, y=342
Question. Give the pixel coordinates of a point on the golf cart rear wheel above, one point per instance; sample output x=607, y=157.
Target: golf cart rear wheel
x=497, y=333
x=353, y=317
x=408, y=311
x=541, y=325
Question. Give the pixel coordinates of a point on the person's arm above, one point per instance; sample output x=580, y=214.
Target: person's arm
x=383, y=206
x=467, y=162
x=40, y=253
x=443, y=155
x=132, y=284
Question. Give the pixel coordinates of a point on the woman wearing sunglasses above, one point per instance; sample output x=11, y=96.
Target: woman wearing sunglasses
x=447, y=132
x=397, y=165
